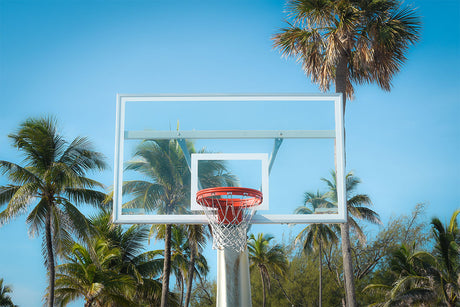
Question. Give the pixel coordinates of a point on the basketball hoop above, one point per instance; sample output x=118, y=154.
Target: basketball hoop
x=229, y=211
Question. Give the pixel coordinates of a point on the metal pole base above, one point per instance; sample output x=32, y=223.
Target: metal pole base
x=233, y=282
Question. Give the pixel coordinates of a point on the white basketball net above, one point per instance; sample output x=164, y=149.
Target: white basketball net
x=229, y=215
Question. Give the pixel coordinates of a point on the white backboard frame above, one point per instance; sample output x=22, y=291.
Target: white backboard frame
x=121, y=135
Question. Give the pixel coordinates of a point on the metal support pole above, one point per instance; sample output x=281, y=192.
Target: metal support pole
x=233, y=282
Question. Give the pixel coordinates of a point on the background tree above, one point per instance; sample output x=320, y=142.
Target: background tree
x=197, y=238
x=92, y=273
x=5, y=299
x=348, y=42
x=447, y=258
x=412, y=287
x=167, y=190
x=315, y=237
x=54, y=179
x=356, y=208
x=357, y=204
x=163, y=163
x=145, y=267
x=268, y=259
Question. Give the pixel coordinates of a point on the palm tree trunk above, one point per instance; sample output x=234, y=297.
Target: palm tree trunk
x=191, y=270
x=50, y=260
x=181, y=286
x=263, y=287
x=166, y=267
x=320, y=275
x=347, y=265
x=341, y=78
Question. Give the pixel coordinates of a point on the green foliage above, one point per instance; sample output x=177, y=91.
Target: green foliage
x=299, y=285
x=204, y=294
x=5, y=299
x=111, y=267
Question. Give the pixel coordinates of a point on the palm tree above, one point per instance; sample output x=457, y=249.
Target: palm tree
x=266, y=258
x=181, y=256
x=357, y=207
x=357, y=204
x=316, y=236
x=93, y=273
x=5, y=299
x=413, y=285
x=447, y=258
x=348, y=42
x=143, y=267
x=163, y=162
x=168, y=188
x=127, y=264
x=53, y=179
x=197, y=238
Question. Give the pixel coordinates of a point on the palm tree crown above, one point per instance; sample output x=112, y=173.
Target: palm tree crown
x=357, y=204
x=346, y=42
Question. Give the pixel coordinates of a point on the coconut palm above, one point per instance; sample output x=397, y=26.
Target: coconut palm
x=413, y=285
x=348, y=42
x=143, y=267
x=167, y=190
x=357, y=207
x=93, y=273
x=5, y=299
x=163, y=163
x=315, y=237
x=181, y=255
x=268, y=259
x=447, y=258
x=139, y=270
x=54, y=180
x=179, y=258
x=197, y=238
x=357, y=204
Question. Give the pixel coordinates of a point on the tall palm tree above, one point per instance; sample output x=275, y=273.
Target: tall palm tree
x=266, y=258
x=315, y=237
x=357, y=207
x=163, y=163
x=167, y=190
x=5, y=299
x=54, y=179
x=348, y=42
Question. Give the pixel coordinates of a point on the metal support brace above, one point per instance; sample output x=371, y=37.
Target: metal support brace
x=276, y=147
x=183, y=146
x=187, y=156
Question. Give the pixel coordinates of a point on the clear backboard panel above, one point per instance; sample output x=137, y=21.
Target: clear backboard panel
x=168, y=147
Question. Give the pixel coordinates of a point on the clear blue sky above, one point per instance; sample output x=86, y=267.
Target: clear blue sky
x=71, y=58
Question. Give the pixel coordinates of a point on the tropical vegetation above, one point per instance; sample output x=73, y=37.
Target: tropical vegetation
x=406, y=263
